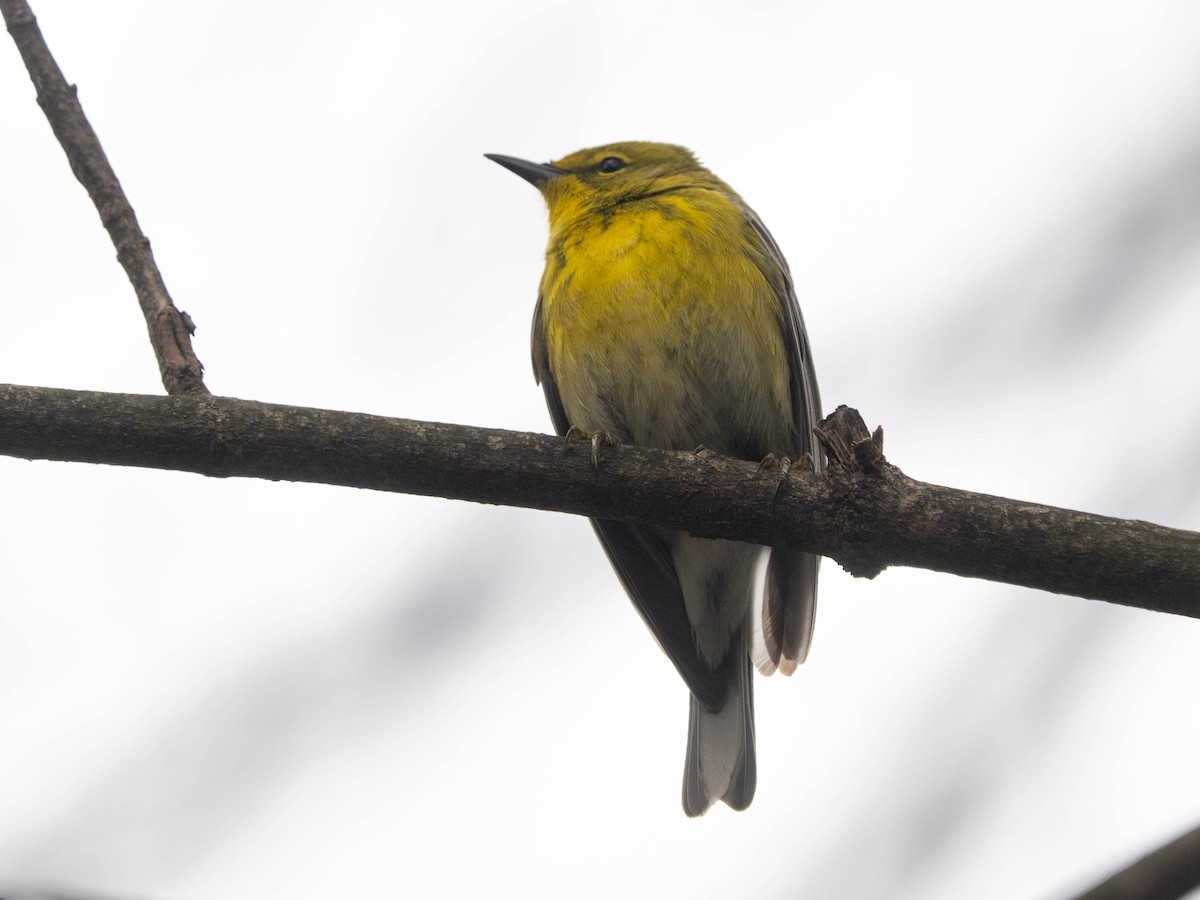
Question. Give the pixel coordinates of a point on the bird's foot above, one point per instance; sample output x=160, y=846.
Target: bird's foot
x=784, y=465
x=771, y=461
x=596, y=438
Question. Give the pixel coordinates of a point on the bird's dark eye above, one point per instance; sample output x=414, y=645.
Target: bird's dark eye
x=611, y=164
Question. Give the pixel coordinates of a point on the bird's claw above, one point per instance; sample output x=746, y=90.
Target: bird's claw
x=783, y=464
x=771, y=461
x=596, y=438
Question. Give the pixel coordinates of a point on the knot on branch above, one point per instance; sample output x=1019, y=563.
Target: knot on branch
x=848, y=444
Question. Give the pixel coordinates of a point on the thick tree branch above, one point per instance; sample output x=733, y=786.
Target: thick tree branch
x=170, y=330
x=1171, y=871
x=865, y=513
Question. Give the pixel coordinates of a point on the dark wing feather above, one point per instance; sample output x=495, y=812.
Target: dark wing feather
x=790, y=600
x=542, y=374
x=642, y=562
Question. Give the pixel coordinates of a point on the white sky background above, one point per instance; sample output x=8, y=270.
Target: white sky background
x=236, y=689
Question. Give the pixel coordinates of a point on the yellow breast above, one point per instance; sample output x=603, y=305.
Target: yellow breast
x=662, y=328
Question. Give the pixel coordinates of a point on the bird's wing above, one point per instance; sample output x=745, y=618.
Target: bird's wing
x=790, y=597
x=642, y=562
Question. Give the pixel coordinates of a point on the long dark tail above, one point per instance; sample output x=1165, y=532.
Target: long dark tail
x=720, y=753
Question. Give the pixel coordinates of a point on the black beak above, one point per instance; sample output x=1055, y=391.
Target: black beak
x=536, y=174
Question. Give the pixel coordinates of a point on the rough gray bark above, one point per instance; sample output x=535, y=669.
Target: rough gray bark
x=865, y=513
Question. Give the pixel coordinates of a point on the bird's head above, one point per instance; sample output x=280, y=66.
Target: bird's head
x=599, y=179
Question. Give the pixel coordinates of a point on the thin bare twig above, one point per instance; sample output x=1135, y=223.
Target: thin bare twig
x=170, y=330
x=864, y=513
x=1170, y=872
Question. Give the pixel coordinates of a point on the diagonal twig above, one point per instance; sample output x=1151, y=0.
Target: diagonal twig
x=170, y=330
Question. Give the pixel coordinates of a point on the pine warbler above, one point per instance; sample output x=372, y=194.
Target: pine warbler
x=667, y=318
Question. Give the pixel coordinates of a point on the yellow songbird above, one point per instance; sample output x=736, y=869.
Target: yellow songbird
x=667, y=318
